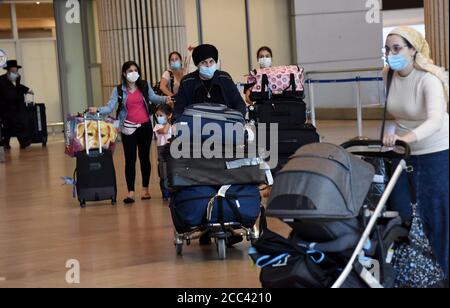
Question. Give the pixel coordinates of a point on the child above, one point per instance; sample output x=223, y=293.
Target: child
x=163, y=131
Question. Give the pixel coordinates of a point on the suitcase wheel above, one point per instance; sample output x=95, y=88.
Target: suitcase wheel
x=44, y=142
x=113, y=202
x=83, y=204
x=179, y=249
x=221, y=248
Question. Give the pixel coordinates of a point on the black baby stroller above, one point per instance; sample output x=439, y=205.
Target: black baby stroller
x=339, y=239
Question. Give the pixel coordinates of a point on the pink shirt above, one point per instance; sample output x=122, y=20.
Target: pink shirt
x=137, y=112
x=162, y=139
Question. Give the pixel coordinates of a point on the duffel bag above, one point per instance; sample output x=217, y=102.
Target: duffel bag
x=239, y=203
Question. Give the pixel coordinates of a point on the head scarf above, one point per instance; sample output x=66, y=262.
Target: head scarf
x=423, y=61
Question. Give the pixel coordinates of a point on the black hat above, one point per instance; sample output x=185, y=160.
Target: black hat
x=204, y=52
x=11, y=64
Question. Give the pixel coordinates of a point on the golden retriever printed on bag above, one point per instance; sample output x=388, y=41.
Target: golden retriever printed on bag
x=108, y=134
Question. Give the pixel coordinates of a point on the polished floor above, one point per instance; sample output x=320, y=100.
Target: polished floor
x=42, y=227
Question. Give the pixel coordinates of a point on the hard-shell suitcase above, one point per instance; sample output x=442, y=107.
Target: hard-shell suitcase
x=37, y=123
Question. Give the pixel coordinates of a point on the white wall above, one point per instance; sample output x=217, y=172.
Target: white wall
x=334, y=35
x=41, y=75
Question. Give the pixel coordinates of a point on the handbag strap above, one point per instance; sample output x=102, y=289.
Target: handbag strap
x=388, y=88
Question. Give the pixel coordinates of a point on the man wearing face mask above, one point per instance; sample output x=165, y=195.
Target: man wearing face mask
x=12, y=105
x=207, y=84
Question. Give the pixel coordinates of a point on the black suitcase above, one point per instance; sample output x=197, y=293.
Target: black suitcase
x=281, y=111
x=37, y=123
x=95, y=176
x=201, y=171
x=292, y=137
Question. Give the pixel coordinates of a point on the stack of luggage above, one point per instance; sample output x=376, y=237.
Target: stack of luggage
x=91, y=140
x=278, y=93
x=214, y=184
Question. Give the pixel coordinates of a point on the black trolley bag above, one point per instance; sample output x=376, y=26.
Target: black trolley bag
x=95, y=172
x=282, y=111
x=36, y=118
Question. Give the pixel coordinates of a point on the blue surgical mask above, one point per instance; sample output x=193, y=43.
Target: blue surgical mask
x=13, y=76
x=176, y=66
x=162, y=120
x=208, y=72
x=398, y=62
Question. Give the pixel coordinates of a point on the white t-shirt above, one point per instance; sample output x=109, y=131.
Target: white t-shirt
x=419, y=105
x=162, y=139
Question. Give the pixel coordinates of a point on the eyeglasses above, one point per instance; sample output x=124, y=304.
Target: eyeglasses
x=395, y=49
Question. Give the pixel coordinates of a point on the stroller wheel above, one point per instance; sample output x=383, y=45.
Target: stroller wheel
x=222, y=248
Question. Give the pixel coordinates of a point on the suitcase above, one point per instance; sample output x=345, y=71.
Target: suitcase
x=37, y=123
x=292, y=137
x=277, y=82
x=198, y=170
x=189, y=207
x=282, y=112
x=95, y=174
x=212, y=116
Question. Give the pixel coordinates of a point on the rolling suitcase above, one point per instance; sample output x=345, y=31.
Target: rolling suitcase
x=197, y=120
x=198, y=170
x=37, y=123
x=95, y=173
x=280, y=111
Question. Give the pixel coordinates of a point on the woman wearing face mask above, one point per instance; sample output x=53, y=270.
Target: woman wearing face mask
x=12, y=105
x=170, y=81
x=134, y=113
x=418, y=99
x=264, y=56
x=207, y=84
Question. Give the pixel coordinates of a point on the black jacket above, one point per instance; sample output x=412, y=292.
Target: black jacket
x=12, y=98
x=192, y=90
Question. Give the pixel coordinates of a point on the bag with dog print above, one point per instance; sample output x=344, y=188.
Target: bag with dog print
x=75, y=134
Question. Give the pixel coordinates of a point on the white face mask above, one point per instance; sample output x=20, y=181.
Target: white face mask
x=265, y=62
x=133, y=76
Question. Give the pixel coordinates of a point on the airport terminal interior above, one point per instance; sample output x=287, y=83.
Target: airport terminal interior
x=70, y=55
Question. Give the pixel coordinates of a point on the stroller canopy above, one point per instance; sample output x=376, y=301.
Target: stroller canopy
x=320, y=181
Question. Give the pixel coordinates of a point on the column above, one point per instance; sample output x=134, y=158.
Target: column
x=436, y=26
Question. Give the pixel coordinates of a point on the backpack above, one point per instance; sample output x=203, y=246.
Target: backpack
x=151, y=106
x=157, y=86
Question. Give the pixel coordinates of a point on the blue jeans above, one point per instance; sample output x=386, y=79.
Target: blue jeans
x=431, y=180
